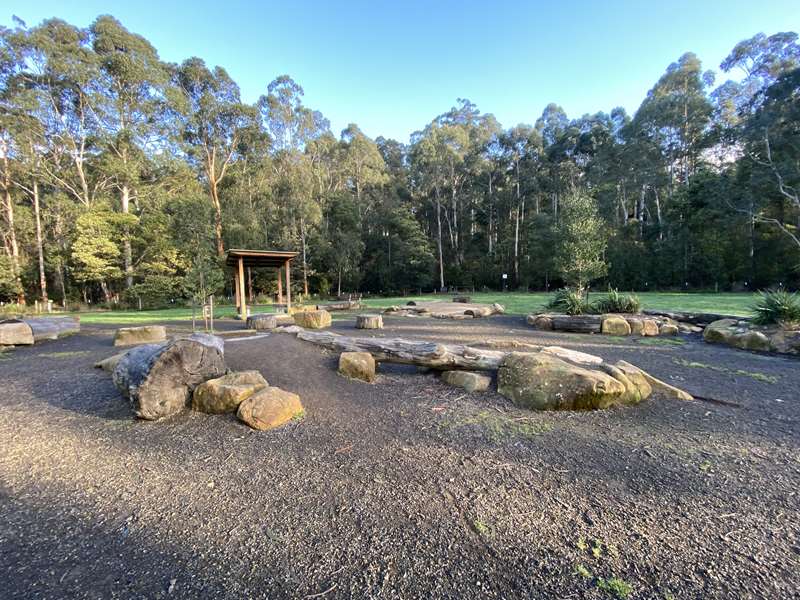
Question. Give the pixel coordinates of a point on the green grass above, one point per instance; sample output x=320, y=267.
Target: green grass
x=521, y=303
x=763, y=377
x=516, y=303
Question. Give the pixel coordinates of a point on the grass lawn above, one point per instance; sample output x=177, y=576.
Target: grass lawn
x=524, y=303
x=515, y=302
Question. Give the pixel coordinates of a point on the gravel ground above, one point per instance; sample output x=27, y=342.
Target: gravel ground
x=405, y=488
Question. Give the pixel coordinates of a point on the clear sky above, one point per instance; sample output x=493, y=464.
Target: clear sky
x=392, y=66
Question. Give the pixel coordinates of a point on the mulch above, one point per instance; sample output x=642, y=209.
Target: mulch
x=405, y=488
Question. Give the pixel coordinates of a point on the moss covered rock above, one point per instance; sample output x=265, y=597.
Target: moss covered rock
x=544, y=382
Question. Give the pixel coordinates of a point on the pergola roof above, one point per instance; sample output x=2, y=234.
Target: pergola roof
x=259, y=258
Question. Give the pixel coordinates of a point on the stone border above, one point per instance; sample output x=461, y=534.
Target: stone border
x=744, y=335
x=607, y=324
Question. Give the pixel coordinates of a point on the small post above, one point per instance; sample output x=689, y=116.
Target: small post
x=211, y=311
x=280, y=286
x=242, y=291
x=288, y=287
x=194, y=328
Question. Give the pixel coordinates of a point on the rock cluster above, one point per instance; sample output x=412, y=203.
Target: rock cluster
x=609, y=324
x=744, y=335
x=225, y=394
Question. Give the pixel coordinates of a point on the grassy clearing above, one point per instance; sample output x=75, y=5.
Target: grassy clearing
x=520, y=303
x=763, y=377
x=516, y=303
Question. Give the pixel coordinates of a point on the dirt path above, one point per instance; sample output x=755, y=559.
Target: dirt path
x=402, y=489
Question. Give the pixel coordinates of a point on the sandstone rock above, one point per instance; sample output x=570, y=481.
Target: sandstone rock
x=369, y=322
x=786, y=341
x=110, y=363
x=269, y=408
x=668, y=329
x=262, y=322
x=720, y=332
x=225, y=394
x=658, y=386
x=357, y=365
x=637, y=388
x=615, y=325
x=147, y=334
x=469, y=380
x=751, y=340
x=541, y=322
x=642, y=326
x=15, y=333
x=313, y=319
x=545, y=382
x=284, y=319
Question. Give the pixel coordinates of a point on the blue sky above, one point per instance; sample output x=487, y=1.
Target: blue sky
x=392, y=66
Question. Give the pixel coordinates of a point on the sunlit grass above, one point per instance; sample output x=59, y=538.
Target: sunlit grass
x=515, y=303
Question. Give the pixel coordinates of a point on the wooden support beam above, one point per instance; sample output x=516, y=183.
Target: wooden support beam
x=242, y=292
x=236, y=291
x=288, y=286
x=280, y=285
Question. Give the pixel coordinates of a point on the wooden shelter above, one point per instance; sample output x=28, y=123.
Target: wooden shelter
x=270, y=259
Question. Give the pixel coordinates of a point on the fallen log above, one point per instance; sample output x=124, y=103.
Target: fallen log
x=409, y=352
x=340, y=305
x=36, y=329
x=159, y=379
x=577, y=323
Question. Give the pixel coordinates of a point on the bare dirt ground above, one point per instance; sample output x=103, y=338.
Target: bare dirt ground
x=406, y=488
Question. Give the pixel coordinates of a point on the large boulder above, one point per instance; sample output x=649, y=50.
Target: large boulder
x=615, y=325
x=751, y=340
x=786, y=341
x=357, y=365
x=225, y=394
x=469, y=380
x=133, y=336
x=656, y=384
x=643, y=326
x=15, y=333
x=262, y=322
x=545, y=382
x=668, y=329
x=313, y=319
x=269, y=408
x=721, y=331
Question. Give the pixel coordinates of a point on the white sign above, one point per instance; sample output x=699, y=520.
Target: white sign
x=505, y=275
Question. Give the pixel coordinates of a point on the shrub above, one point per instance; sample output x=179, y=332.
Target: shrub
x=777, y=307
x=615, y=302
x=569, y=301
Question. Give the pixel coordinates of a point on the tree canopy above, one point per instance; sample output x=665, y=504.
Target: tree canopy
x=124, y=178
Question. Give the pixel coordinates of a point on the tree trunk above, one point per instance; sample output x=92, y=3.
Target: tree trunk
x=439, y=241
x=12, y=230
x=305, y=262
x=126, y=250
x=39, y=244
x=212, y=184
x=159, y=379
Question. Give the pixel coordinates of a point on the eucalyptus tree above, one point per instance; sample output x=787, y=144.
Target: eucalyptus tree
x=134, y=101
x=293, y=126
x=214, y=123
x=361, y=163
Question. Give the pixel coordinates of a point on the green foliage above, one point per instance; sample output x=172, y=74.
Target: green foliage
x=154, y=291
x=614, y=302
x=615, y=587
x=582, y=241
x=569, y=301
x=777, y=307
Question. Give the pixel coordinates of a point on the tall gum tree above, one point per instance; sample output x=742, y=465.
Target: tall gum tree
x=215, y=120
